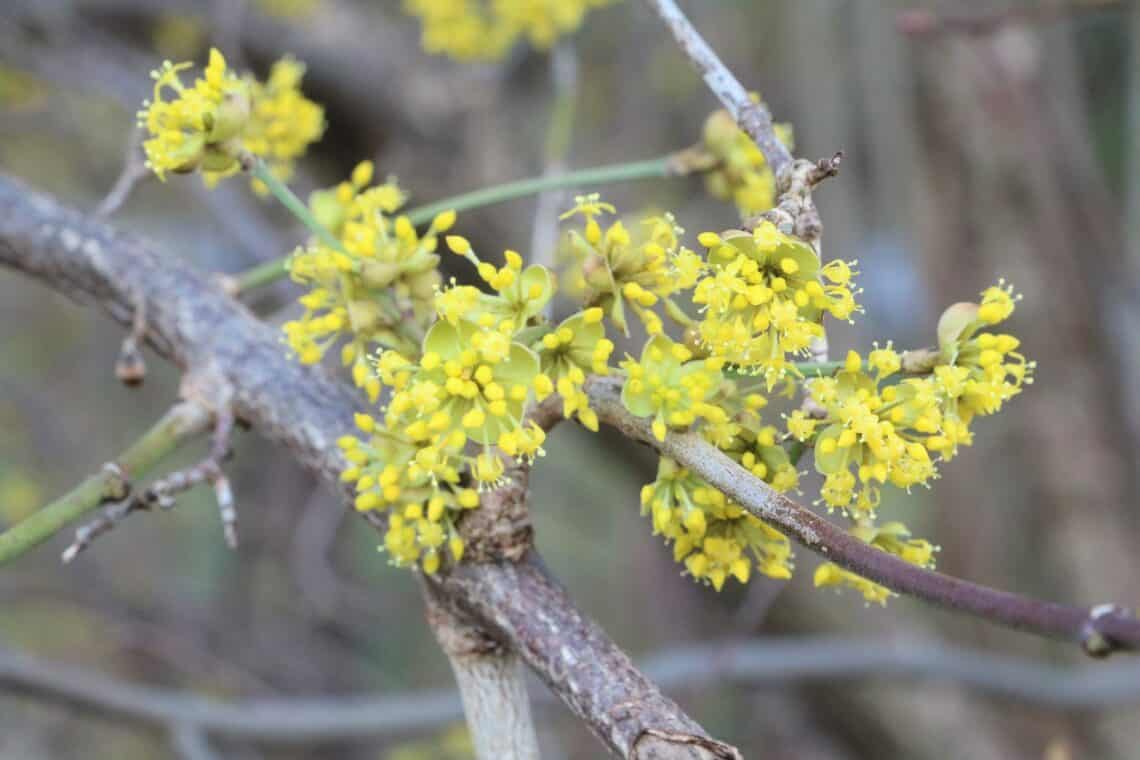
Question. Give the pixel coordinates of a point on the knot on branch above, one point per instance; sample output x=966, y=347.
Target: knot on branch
x=500, y=529
x=457, y=637
x=1097, y=639
x=795, y=212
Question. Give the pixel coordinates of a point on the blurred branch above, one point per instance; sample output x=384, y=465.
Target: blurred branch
x=923, y=22
x=191, y=321
x=1100, y=630
x=759, y=663
x=559, y=136
x=190, y=744
x=112, y=484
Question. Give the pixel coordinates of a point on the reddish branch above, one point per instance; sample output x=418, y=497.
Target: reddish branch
x=1100, y=630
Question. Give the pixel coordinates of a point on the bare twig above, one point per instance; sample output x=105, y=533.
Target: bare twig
x=111, y=485
x=752, y=117
x=161, y=493
x=1100, y=630
x=544, y=229
x=134, y=170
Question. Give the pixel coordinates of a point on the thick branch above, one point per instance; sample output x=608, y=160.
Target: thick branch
x=490, y=680
x=194, y=323
x=1100, y=630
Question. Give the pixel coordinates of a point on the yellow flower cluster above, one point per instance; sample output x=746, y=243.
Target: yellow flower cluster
x=741, y=173
x=665, y=385
x=212, y=125
x=381, y=272
x=457, y=404
x=710, y=534
x=892, y=537
x=616, y=269
x=568, y=353
x=764, y=295
x=485, y=30
x=879, y=429
x=283, y=122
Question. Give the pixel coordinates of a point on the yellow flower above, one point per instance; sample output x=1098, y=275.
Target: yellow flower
x=764, y=297
x=283, y=122
x=471, y=30
x=710, y=534
x=894, y=538
x=212, y=125
x=622, y=270
x=665, y=385
x=567, y=354
x=742, y=174
x=380, y=257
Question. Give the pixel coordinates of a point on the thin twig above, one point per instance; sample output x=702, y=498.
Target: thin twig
x=672, y=165
x=134, y=170
x=161, y=493
x=112, y=484
x=1100, y=630
x=752, y=117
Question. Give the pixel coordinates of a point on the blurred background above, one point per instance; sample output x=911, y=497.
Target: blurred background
x=983, y=140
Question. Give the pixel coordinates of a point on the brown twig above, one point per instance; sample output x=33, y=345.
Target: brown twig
x=1100, y=630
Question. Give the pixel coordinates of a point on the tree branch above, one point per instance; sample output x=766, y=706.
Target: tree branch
x=1099, y=630
x=752, y=117
x=766, y=663
x=490, y=680
x=111, y=484
x=191, y=321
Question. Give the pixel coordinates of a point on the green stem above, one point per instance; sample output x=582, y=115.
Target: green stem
x=179, y=423
x=814, y=369
x=256, y=277
x=263, y=274
x=296, y=206
x=808, y=369
x=602, y=175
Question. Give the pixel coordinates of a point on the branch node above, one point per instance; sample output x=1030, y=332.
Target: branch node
x=825, y=168
x=161, y=493
x=1095, y=642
